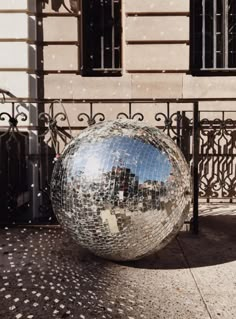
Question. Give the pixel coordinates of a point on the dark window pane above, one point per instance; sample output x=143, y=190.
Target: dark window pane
x=101, y=37
x=108, y=33
x=218, y=36
x=196, y=43
x=232, y=34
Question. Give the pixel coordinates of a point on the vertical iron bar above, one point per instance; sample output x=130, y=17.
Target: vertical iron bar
x=91, y=110
x=102, y=52
x=214, y=34
x=203, y=34
x=195, y=152
x=113, y=34
x=185, y=136
x=34, y=150
x=178, y=118
x=13, y=110
x=182, y=144
x=130, y=110
x=168, y=118
x=79, y=37
x=102, y=35
x=226, y=32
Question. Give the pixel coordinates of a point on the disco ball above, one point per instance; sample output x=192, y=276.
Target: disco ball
x=121, y=189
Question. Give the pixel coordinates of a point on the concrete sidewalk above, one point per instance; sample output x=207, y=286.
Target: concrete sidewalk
x=44, y=275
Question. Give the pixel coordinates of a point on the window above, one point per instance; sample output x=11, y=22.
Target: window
x=101, y=38
x=213, y=43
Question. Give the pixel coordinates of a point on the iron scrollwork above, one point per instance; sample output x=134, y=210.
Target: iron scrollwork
x=13, y=122
x=91, y=118
x=53, y=128
x=217, y=164
x=169, y=122
x=52, y=138
x=136, y=116
x=169, y=127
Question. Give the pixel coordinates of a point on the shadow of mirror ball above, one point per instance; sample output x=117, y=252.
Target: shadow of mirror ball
x=121, y=189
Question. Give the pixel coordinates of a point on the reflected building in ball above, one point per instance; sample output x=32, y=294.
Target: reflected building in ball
x=122, y=189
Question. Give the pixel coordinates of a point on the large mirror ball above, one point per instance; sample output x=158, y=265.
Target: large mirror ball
x=121, y=189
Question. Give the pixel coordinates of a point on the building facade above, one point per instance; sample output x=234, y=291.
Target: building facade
x=109, y=58
x=41, y=53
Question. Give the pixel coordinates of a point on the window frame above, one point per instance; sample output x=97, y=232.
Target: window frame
x=102, y=72
x=196, y=71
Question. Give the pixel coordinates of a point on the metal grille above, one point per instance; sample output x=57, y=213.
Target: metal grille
x=101, y=37
x=214, y=34
x=217, y=157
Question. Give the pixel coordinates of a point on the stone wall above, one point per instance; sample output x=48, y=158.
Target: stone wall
x=155, y=58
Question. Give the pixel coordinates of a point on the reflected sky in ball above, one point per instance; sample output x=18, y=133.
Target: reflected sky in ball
x=124, y=152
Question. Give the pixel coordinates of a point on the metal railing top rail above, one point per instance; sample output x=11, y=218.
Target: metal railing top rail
x=12, y=98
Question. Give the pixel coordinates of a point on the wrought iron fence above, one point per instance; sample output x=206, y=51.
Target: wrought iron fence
x=217, y=157
x=31, y=140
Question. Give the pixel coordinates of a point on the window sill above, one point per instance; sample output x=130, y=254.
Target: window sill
x=102, y=72
x=213, y=72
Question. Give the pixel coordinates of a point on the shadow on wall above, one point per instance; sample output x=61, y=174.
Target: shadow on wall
x=73, y=5
x=214, y=245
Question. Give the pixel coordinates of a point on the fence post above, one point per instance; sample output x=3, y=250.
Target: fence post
x=195, y=152
x=34, y=162
x=186, y=136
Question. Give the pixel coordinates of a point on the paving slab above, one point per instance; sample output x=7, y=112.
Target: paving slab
x=212, y=258
x=44, y=274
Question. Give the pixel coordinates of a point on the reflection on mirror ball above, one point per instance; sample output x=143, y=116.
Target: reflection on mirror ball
x=121, y=189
